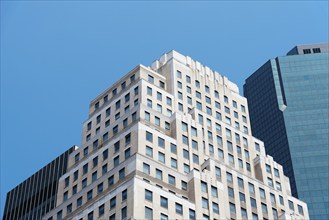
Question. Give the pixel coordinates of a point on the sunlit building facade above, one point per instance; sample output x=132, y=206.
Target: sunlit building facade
x=172, y=141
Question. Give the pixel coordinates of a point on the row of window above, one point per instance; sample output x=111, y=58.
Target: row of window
x=251, y=187
x=99, y=189
x=117, y=112
x=206, y=88
x=114, y=92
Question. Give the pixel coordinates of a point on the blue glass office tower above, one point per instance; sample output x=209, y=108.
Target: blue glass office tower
x=288, y=106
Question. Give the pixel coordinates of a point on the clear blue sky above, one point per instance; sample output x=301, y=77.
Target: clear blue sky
x=57, y=56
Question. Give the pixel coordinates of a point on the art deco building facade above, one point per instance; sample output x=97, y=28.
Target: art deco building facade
x=172, y=141
x=288, y=99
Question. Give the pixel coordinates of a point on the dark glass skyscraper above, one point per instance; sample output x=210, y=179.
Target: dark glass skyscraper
x=288, y=106
x=36, y=196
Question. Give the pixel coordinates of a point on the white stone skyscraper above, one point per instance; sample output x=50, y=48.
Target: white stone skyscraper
x=172, y=141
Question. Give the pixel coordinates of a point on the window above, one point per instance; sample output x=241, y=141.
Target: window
x=230, y=192
x=149, y=151
x=184, y=185
x=192, y=214
x=278, y=186
x=163, y=202
x=194, y=145
x=186, y=154
x=95, y=161
x=104, y=169
x=179, y=74
x=275, y=213
x=203, y=187
x=215, y=208
x=84, y=183
x=264, y=208
x=65, y=196
x=240, y=183
x=281, y=200
x=112, y=217
x=124, y=213
x=300, y=209
x=188, y=79
x=67, y=181
x=206, y=89
x=74, y=189
x=98, y=119
x=110, y=180
x=107, y=123
x=124, y=195
x=243, y=108
x=185, y=140
x=240, y=163
x=253, y=202
x=270, y=182
x=146, y=168
x=149, y=136
x=232, y=208
x=113, y=202
x=158, y=174
x=291, y=205
x=163, y=217
x=85, y=151
x=218, y=116
x=229, y=177
x=188, y=89
x=209, y=112
x=101, y=210
x=161, y=84
x=150, y=79
x=231, y=159
x=122, y=173
x=115, y=129
x=161, y=142
x=220, y=153
x=100, y=188
x=161, y=157
x=242, y=197
x=208, y=100
x=306, y=51
x=180, y=107
x=159, y=96
x=244, y=213
x=94, y=176
x=179, y=84
x=127, y=153
x=116, y=161
x=159, y=108
x=186, y=168
x=79, y=201
x=217, y=170
x=75, y=175
x=85, y=169
x=205, y=203
x=136, y=91
x=105, y=154
x=276, y=172
x=169, y=101
x=251, y=188
x=179, y=208
x=272, y=198
x=225, y=99
x=254, y=216
x=262, y=193
x=148, y=195
x=173, y=163
x=195, y=159
x=69, y=208
x=133, y=116
x=171, y=180
x=189, y=100
x=180, y=95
